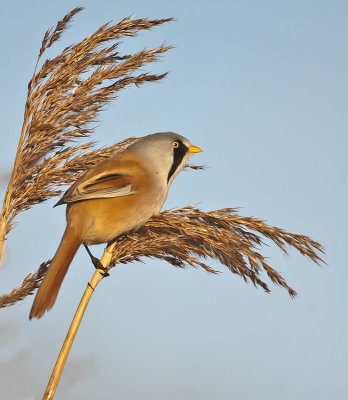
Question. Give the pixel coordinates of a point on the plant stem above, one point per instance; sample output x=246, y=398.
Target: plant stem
x=6, y=206
x=69, y=339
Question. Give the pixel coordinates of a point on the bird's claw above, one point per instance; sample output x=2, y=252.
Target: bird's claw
x=97, y=264
x=100, y=267
x=103, y=271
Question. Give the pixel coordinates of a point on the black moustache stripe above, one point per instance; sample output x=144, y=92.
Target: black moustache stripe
x=179, y=154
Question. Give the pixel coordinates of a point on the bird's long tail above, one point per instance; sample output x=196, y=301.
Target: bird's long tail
x=49, y=288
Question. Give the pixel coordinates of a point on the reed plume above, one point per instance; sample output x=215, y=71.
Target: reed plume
x=189, y=237
x=63, y=101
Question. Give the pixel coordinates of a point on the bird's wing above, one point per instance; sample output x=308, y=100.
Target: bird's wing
x=103, y=185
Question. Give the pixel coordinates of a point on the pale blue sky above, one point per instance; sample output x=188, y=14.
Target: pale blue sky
x=262, y=86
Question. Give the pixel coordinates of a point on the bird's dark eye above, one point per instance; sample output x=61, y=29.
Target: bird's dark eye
x=175, y=145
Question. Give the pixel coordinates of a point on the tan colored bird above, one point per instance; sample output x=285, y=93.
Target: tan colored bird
x=112, y=198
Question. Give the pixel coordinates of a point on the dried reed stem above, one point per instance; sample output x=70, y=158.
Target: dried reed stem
x=183, y=236
x=75, y=324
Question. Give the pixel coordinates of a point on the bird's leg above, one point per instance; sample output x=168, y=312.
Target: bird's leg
x=96, y=262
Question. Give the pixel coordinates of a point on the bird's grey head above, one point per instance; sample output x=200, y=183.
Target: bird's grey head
x=166, y=152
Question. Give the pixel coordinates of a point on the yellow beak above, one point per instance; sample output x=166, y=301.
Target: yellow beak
x=194, y=149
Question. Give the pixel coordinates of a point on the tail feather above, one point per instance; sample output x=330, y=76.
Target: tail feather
x=49, y=288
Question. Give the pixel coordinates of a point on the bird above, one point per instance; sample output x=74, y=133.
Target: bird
x=112, y=198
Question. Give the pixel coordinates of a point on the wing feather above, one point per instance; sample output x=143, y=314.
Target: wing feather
x=102, y=185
